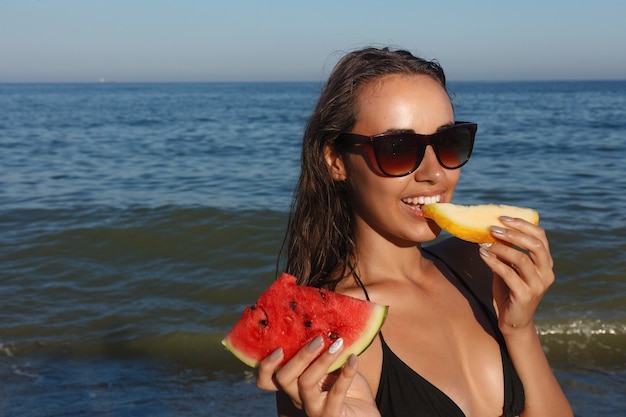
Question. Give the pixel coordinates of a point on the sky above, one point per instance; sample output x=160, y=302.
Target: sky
x=300, y=40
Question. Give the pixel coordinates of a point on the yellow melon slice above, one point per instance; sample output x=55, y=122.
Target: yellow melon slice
x=472, y=223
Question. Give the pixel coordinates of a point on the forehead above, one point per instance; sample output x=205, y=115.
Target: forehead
x=400, y=101
x=390, y=84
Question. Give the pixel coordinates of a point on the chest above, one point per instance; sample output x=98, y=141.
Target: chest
x=445, y=335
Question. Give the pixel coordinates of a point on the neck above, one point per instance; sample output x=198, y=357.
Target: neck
x=390, y=262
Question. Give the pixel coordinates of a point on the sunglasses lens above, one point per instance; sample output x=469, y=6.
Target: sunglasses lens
x=454, y=146
x=398, y=155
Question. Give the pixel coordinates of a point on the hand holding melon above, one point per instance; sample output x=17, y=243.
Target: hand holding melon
x=472, y=223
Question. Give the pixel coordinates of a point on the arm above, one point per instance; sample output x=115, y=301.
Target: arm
x=520, y=281
x=544, y=396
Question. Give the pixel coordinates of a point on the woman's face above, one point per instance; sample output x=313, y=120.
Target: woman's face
x=392, y=206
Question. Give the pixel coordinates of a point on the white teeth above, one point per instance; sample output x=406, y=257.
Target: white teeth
x=422, y=200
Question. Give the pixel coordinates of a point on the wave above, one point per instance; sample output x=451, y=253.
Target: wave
x=169, y=281
x=578, y=343
x=585, y=343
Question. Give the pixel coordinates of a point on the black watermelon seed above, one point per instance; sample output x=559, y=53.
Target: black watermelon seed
x=308, y=323
x=263, y=323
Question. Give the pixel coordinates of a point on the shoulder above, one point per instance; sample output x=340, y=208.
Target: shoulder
x=349, y=286
x=464, y=260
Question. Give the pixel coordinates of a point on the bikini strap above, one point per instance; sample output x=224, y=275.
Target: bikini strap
x=491, y=314
x=360, y=283
x=358, y=280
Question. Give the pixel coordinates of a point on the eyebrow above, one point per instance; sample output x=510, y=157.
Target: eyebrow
x=392, y=131
x=444, y=127
x=439, y=129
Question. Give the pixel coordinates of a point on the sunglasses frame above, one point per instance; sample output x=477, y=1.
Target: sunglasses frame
x=432, y=140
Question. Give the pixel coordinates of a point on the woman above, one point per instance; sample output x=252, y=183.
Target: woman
x=459, y=338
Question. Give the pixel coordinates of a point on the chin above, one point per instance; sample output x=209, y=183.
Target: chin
x=426, y=236
x=435, y=232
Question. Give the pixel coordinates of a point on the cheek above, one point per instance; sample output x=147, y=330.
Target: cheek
x=361, y=161
x=364, y=185
x=452, y=179
x=455, y=175
x=370, y=191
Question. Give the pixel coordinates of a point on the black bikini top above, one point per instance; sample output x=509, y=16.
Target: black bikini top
x=403, y=392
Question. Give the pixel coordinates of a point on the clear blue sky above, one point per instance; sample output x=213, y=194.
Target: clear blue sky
x=293, y=40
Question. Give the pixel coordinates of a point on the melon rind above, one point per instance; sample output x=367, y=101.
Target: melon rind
x=472, y=223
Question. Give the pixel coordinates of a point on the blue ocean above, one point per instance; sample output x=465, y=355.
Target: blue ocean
x=138, y=220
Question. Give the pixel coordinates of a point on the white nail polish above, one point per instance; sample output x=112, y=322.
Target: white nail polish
x=337, y=344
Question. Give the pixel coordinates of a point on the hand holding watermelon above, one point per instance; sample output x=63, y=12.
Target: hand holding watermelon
x=298, y=335
x=304, y=384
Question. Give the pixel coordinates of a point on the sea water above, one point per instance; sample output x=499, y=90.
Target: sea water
x=137, y=220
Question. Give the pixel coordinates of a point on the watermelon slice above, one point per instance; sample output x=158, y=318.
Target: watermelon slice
x=289, y=316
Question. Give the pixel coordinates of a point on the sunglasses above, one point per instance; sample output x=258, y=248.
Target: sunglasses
x=399, y=154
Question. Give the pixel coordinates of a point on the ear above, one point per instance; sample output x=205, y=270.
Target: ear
x=335, y=163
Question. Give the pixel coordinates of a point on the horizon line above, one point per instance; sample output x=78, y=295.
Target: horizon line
x=512, y=80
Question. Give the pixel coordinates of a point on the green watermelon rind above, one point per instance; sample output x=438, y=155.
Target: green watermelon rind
x=364, y=341
x=374, y=324
x=248, y=360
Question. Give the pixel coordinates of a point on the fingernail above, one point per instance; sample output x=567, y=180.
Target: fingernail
x=497, y=230
x=485, y=245
x=352, y=361
x=506, y=219
x=316, y=343
x=337, y=344
x=276, y=354
x=484, y=252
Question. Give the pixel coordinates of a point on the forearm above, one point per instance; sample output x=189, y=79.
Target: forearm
x=544, y=396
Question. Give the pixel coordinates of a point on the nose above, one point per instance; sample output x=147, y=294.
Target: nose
x=430, y=169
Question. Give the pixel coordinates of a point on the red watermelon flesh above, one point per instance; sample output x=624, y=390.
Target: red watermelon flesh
x=289, y=316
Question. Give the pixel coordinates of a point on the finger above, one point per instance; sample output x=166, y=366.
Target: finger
x=532, y=240
x=315, y=381
x=495, y=257
x=528, y=229
x=512, y=258
x=266, y=370
x=515, y=270
x=339, y=390
x=287, y=377
x=318, y=369
x=534, y=261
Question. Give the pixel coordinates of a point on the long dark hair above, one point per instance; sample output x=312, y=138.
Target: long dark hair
x=319, y=240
